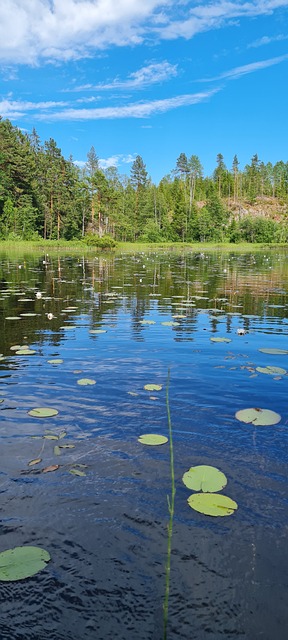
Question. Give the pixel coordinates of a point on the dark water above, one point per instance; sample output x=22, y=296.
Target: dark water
x=106, y=532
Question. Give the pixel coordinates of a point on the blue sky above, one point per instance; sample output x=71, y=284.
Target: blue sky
x=148, y=77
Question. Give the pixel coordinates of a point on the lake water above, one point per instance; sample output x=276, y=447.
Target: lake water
x=106, y=531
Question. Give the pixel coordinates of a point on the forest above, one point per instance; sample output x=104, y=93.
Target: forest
x=45, y=196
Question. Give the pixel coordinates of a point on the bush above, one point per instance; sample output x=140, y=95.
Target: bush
x=106, y=242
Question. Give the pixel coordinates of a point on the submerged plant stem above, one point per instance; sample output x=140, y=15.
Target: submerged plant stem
x=171, y=503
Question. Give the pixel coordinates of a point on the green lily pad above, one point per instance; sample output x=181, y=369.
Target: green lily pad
x=258, y=417
x=212, y=504
x=57, y=450
x=272, y=371
x=22, y=562
x=276, y=352
x=153, y=387
x=85, y=381
x=97, y=331
x=43, y=412
x=13, y=318
x=1, y=400
x=147, y=322
x=68, y=327
x=152, y=439
x=220, y=339
x=55, y=361
x=170, y=324
x=25, y=352
x=204, y=478
x=77, y=472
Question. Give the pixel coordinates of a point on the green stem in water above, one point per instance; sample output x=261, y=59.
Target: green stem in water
x=171, y=503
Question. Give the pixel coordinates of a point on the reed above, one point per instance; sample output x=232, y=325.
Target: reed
x=171, y=506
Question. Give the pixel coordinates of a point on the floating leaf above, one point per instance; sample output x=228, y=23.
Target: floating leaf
x=43, y=412
x=276, y=352
x=57, y=451
x=133, y=393
x=68, y=327
x=25, y=352
x=36, y=461
x=153, y=387
x=204, y=478
x=147, y=322
x=22, y=562
x=52, y=467
x=96, y=331
x=51, y=437
x=86, y=381
x=170, y=324
x=220, y=339
x=258, y=417
x=272, y=371
x=55, y=361
x=77, y=472
x=13, y=318
x=212, y=504
x=63, y=434
x=152, y=439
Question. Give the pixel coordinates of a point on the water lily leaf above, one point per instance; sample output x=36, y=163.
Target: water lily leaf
x=95, y=331
x=272, y=371
x=22, y=562
x=220, y=339
x=55, y=361
x=57, y=451
x=212, y=504
x=25, y=352
x=86, y=381
x=77, y=472
x=152, y=439
x=276, y=352
x=133, y=393
x=147, y=322
x=13, y=318
x=258, y=417
x=204, y=478
x=51, y=437
x=36, y=461
x=68, y=327
x=1, y=400
x=43, y=412
x=63, y=434
x=153, y=387
x=52, y=467
x=170, y=324
x=16, y=347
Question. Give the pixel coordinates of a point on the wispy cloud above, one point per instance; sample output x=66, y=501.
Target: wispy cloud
x=237, y=72
x=267, y=40
x=17, y=108
x=133, y=110
x=112, y=161
x=148, y=75
x=62, y=30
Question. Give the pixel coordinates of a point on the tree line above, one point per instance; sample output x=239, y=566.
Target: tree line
x=44, y=195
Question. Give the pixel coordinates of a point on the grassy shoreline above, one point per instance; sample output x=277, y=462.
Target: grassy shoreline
x=62, y=246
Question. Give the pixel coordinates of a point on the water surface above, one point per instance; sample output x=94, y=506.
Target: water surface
x=106, y=532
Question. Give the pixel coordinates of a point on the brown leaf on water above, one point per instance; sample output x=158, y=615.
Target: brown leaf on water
x=52, y=467
x=36, y=461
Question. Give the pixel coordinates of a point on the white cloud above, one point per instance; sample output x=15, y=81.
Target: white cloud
x=133, y=110
x=35, y=30
x=112, y=161
x=267, y=40
x=237, y=72
x=17, y=108
x=151, y=74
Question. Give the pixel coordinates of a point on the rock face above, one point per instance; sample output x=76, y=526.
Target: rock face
x=264, y=206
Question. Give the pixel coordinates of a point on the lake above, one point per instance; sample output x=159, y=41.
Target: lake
x=118, y=323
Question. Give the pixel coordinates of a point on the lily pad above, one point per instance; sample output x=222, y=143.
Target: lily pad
x=25, y=352
x=276, y=352
x=77, y=472
x=85, y=381
x=204, y=478
x=272, y=371
x=52, y=467
x=55, y=361
x=170, y=324
x=258, y=417
x=43, y=412
x=147, y=322
x=212, y=504
x=152, y=439
x=96, y=331
x=220, y=339
x=153, y=387
x=22, y=562
x=33, y=462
